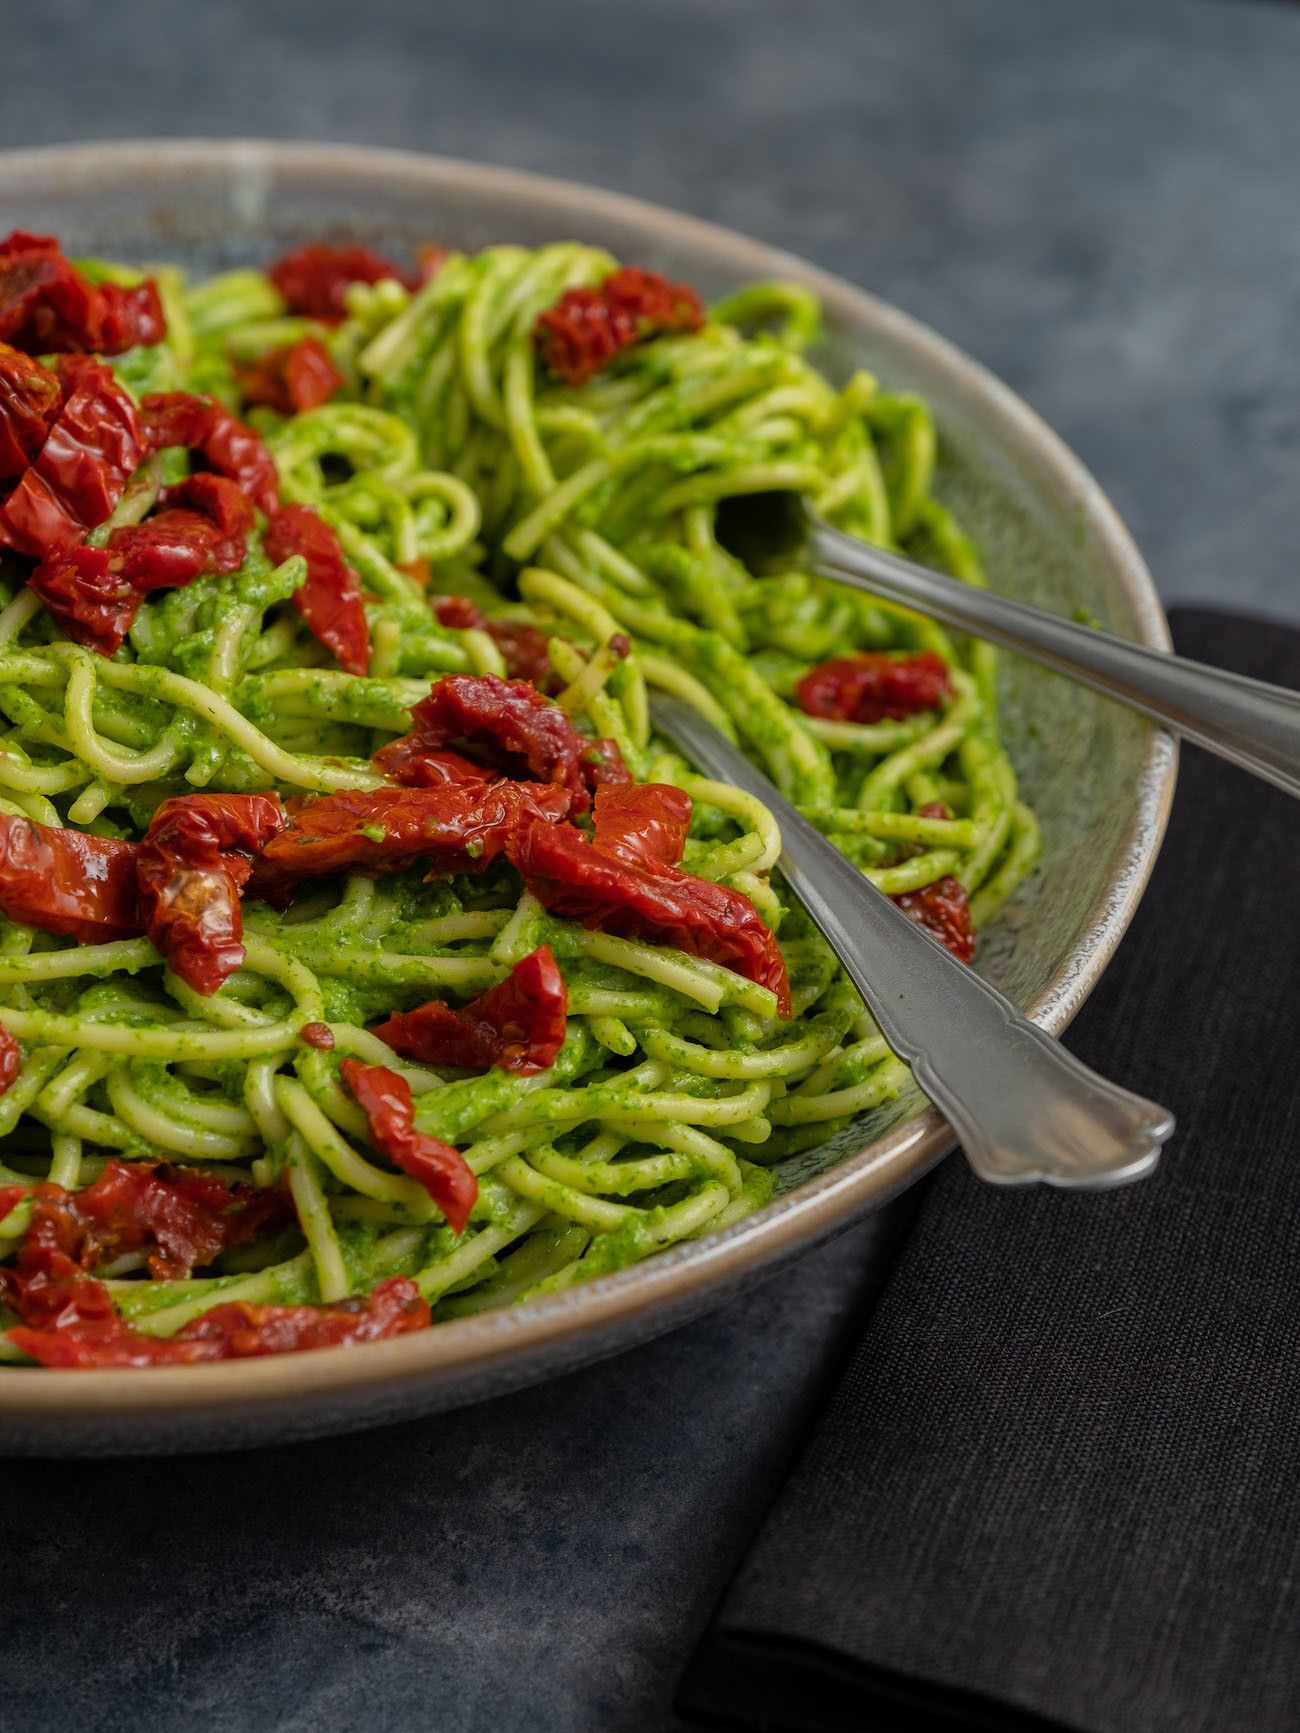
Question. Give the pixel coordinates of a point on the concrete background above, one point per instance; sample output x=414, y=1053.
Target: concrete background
x=1101, y=201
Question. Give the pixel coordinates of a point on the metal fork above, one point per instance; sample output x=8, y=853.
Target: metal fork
x=1250, y=723
x=1023, y=1107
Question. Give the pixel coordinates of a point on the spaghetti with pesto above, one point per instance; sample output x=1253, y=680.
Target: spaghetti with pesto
x=473, y=913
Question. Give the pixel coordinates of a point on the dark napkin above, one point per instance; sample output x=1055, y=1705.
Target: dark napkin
x=1058, y=1484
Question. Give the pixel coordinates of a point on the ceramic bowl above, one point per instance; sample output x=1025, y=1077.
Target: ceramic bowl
x=1099, y=778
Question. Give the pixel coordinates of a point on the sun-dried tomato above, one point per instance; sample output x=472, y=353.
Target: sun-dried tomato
x=330, y=598
x=318, y=1035
x=385, y=1099
x=91, y=600
x=435, y=768
x=43, y=301
x=172, y=548
x=47, y=306
x=524, y=650
x=233, y=1331
x=188, y=1217
x=587, y=328
x=453, y=828
x=203, y=527
x=95, y=593
x=183, y=1218
x=314, y=279
x=943, y=909
x=47, y=1285
x=226, y=444
x=510, y=726
x=393, y=1307
x=191, y=866
x=874, y=686
x=292, y=379
x=222, y=501
x=77, y=477
x=29, y=402
x=644, y=823
x=132, y=314
x=934, y=809
x=458, y=613
x=11, y=1063
x=64, y=881
x=579, y=881
x=518, y=1024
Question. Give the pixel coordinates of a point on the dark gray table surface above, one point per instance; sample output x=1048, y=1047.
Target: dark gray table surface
x=1100, y=201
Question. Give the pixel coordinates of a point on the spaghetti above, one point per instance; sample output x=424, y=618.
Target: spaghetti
x=504, y=467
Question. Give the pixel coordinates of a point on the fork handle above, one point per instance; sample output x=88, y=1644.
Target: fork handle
x=1024, y=1108
x=1250, y=723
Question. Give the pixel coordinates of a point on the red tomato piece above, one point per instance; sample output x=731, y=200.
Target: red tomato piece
x=77, y=477
x=233, y=1331
x=579, y=881
x=44, y=303
x=453, y=828
x=101, y=1342
x=222, y=501
x=586, y=328
x=518, y=1025
x=292, y=379
x=934, y=809
x=226, y=444
x=29, y=402
x=510, y=726
x=188, y=1217
x=10, y=1195
x=95, y=593
x=191, y=866
x=330, y=598
x=523, y=648
x=314, y=279
x=66, y=882
x=48, y=306
x=431, y=769
x=874, y=686
x=203, y=527
x=385, y=1099
x=11, y=1063
x=131, y=315
x=457, y=612
x=88, y=596
x=644, y=823
x=943, y=909
x=393, y=1307
x=171, y=549
x=48, y=1286
x=318, y=1035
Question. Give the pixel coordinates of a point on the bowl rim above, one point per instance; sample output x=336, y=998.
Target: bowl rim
x=573, y=1325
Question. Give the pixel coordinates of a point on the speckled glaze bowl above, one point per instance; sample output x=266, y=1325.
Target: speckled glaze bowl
x=1100, y=779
